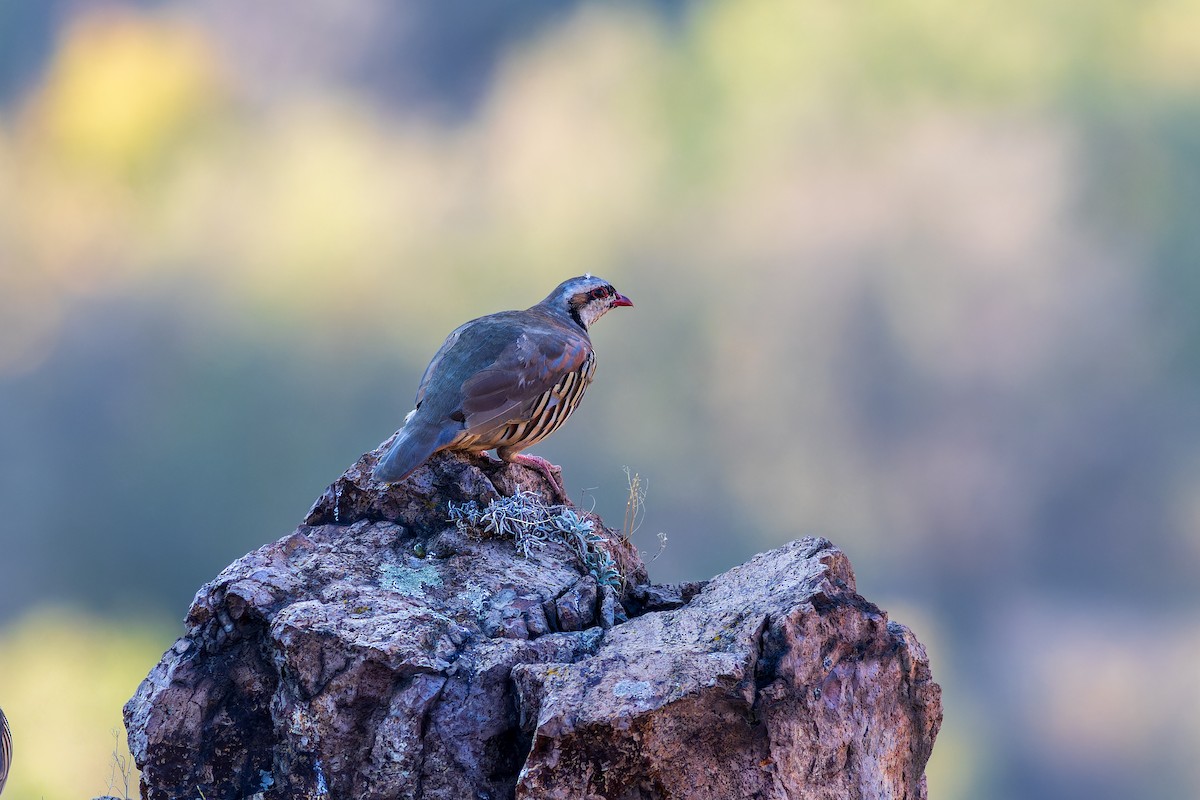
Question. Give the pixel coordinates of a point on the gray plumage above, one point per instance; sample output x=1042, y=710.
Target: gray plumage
x=504, y=381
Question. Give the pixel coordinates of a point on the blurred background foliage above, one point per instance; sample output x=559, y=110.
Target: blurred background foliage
x=920, y=277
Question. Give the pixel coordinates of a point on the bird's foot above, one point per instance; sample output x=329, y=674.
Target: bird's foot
x=552, y=472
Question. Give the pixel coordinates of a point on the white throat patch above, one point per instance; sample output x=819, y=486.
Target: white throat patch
x=593, y=311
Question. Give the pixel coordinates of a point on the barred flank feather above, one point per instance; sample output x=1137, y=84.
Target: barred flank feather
x=5, y=750
x=549, y=411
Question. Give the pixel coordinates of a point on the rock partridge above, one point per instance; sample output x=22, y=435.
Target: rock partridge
x=5, y=750
x=505, y=381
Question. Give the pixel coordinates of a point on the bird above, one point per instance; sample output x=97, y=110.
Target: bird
x=5, y=750
x=505, y=381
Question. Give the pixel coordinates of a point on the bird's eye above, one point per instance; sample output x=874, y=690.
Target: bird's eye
x=599, y=292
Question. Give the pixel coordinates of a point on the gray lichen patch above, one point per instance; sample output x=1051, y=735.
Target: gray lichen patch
x=639, y=690
x=412, y=581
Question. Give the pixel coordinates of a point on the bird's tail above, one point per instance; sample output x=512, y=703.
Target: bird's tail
x=412, y=447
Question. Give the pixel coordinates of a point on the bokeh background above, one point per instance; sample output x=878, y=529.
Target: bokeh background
x=921, y=277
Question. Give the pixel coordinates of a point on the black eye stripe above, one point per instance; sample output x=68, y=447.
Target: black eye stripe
x=598, y=293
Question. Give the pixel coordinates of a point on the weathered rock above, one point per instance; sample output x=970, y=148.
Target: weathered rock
x=380, y=652
x=576, y=608
x=662, y=597
x=776, y=681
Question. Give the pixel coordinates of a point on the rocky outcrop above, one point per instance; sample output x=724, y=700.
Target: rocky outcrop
x=401, y=644
x=776, y=681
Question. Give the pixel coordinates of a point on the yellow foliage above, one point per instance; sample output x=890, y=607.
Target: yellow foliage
x=1170, y=43
x=122, y=86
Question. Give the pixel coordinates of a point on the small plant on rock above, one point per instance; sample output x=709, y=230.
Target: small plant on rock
x=532, y=523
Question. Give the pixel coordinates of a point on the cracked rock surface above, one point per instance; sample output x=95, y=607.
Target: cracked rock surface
x=379, y=652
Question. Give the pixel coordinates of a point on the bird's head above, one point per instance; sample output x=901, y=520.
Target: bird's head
x=585, y=299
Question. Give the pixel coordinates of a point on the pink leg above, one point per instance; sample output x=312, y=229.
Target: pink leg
x=553, y=473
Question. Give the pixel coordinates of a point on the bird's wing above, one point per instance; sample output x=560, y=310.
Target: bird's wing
x=507, y=391
x=451, y=340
